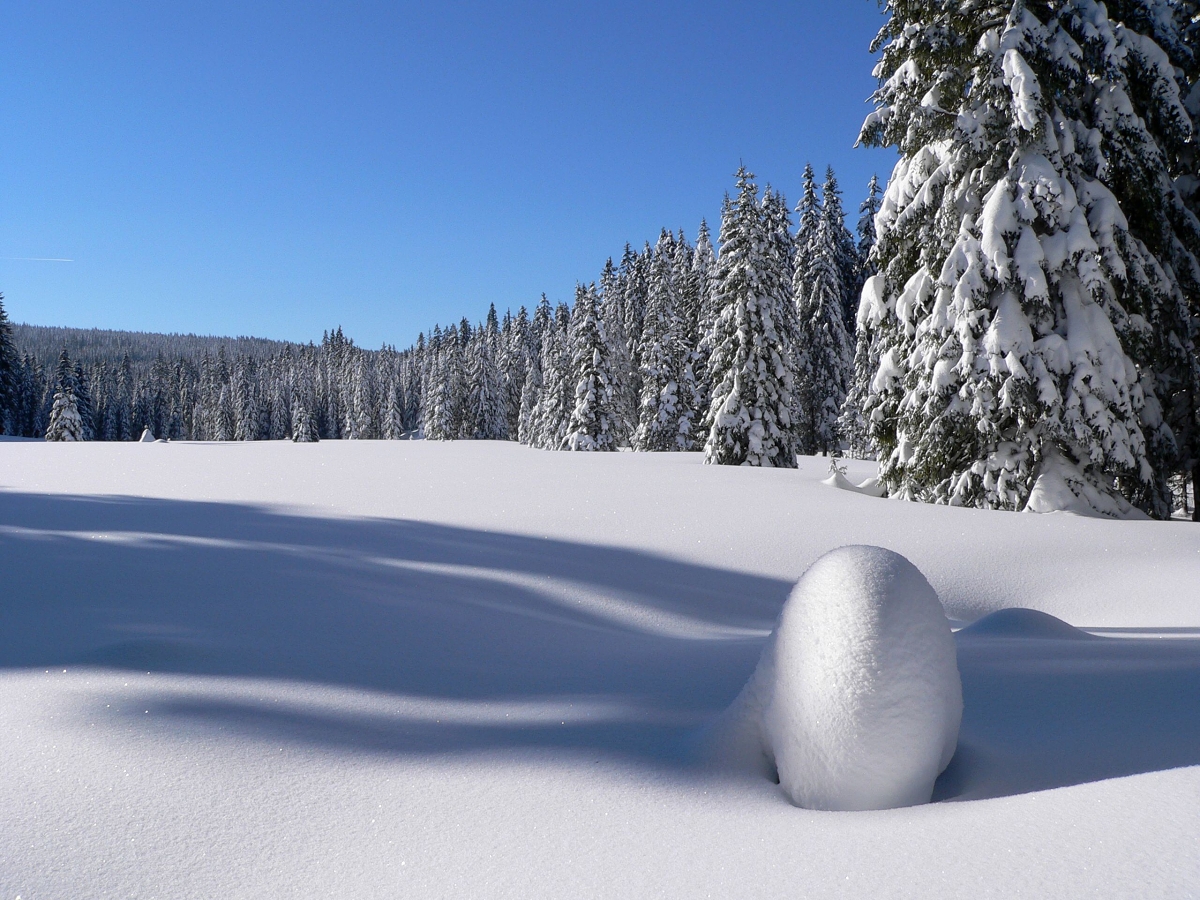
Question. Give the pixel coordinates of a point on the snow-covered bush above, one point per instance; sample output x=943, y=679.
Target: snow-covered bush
x=857, y=698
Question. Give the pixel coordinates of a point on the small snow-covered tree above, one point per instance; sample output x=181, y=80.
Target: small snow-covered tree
x=750, y=369
x=65, y=423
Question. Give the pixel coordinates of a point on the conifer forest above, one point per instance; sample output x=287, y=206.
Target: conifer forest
x=1019, y=307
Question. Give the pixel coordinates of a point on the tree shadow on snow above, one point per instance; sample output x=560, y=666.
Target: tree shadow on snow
x=641, y=648
x=405, y=608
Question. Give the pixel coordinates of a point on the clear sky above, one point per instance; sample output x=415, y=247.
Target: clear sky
x=279, y=169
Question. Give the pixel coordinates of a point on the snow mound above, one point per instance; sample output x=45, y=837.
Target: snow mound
x=1024, y=623
x=857, y=698
x=1061, y=487
x=871, y=487
x=147, y=437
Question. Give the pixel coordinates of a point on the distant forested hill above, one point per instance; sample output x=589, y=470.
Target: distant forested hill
x=89, y=346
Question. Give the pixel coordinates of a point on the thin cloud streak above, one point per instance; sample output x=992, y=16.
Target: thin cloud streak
x=36, y=259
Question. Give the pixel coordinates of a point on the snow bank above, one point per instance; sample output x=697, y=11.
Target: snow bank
x=1025, y=623
x=147, y=437
x=857, y=698
x=1061, y=487
x=871, y=487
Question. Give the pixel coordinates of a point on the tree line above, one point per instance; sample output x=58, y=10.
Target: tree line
x=1014, y=327
x=672, y=344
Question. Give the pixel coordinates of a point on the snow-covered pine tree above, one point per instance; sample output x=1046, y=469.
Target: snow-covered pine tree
x=780, y=272
x=533, y=389
x=281, y=415
x=634, y=272
x=750, y=417
x=593, y=425
x=10, y=365
x=664, y=416
x=445, y=394
x=83, y=403
x=65, y=422
x=820, y=290
x=484, y=411
x=557, y=399
x=612, y=305
x=867, y=211
x=1011, y=291
x=304, y=429
x=833, y=218
x=514, y=368
x=704, y=267
x=808, y=215
x=245, y=402
x=223, y=429
x=393, y=414
x=693, y=397
x=852, y=425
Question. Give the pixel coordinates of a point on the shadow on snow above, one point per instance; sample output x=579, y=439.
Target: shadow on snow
x=432, y=614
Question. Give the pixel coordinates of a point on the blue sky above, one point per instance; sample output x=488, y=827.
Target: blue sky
x=281, y=169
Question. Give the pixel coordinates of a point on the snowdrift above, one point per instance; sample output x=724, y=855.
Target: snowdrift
x=857, y=699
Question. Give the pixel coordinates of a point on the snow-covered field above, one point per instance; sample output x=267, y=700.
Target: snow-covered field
x=396, y=669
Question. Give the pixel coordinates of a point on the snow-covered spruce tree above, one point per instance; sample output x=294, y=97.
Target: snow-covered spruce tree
x=304, y=429
x=531, y=392
x=484, y=410
x=444, y=396
x=779, y=275
x=634, y=275
x=83, y=402
x=867, y=211
x=393, y=414
x=593, y=424
x=693, y=395
x=557, y=397
x=852, y=425
x=750, y=369
x=833, y=220
x=514, y=368
x=612, y=305
x=65, y=423
x=1011, y=291
x=704, y=268
x=10, y=365
x=820, y=290
x=664, y=414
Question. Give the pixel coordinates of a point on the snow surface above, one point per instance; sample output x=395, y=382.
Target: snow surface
x=856, y=699
x=478, y=670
